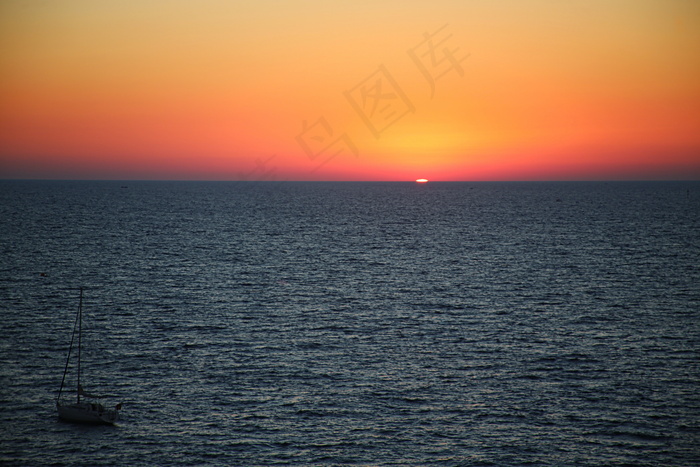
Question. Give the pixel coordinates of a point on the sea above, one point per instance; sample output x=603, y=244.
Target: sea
x=353, y=323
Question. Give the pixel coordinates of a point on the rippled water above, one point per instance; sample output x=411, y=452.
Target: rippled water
x=355, y=323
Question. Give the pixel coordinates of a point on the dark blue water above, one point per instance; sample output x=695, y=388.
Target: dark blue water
x=354, y=323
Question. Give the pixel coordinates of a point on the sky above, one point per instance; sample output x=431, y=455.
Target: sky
x=389, y=90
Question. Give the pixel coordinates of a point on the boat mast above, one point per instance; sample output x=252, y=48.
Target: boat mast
x=80, y=337
x=70, y=347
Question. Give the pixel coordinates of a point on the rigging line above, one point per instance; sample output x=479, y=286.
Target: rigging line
x=70, y=348
x=80, y=339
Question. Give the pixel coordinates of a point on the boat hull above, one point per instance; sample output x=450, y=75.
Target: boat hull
x=87, y=413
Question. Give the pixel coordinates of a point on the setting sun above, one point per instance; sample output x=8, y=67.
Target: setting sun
x=422, y=180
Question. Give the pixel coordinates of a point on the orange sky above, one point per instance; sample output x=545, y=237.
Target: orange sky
x=321, y=90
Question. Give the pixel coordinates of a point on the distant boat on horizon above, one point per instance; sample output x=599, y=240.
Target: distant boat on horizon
x=82, y=411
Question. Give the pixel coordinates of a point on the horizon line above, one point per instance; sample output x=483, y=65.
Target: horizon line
x=126, y=180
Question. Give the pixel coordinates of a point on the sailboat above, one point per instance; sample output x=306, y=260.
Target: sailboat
x=82, y=410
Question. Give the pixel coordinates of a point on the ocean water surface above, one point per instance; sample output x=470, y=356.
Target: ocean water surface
x=283, y=323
